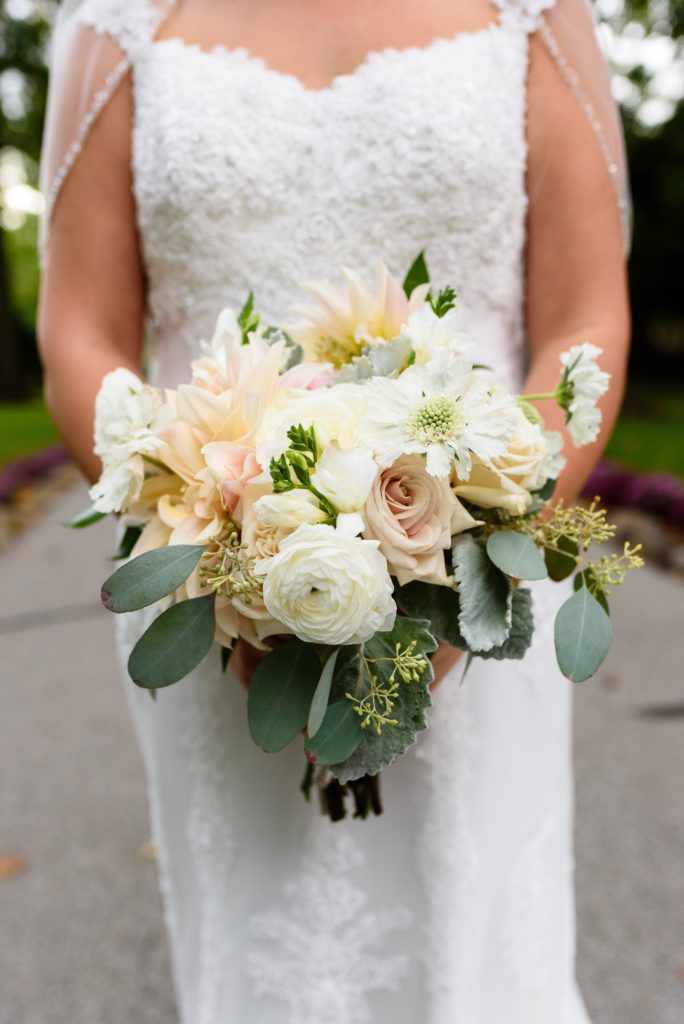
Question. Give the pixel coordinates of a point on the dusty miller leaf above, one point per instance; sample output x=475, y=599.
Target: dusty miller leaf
x=485, y=596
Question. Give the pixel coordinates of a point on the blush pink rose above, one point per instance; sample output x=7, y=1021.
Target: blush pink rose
x=414, y=515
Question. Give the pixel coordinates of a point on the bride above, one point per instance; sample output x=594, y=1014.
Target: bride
x=197, y=149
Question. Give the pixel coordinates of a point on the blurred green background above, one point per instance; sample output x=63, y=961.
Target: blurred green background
x=644, y=42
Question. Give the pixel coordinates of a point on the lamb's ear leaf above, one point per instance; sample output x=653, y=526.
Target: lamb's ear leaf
x=582, y=635
x=418, y=274
x=439, y=604
x=280, y=694
x=517, y=643
x=149, y=577
x=174, y=644
x=485, y=595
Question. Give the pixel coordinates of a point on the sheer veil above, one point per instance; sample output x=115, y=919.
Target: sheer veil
x=96, y=41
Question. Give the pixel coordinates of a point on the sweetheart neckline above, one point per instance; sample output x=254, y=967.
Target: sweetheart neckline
x=373, y=57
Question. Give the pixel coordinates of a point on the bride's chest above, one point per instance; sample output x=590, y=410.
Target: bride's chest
x=220, y=137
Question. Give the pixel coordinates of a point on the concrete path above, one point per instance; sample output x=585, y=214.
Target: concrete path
x=81, y=938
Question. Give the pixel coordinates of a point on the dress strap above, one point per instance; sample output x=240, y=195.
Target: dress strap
x=130, y=23
x=524, y=15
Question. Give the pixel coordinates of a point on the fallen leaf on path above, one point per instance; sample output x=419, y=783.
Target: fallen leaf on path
x=11, y=866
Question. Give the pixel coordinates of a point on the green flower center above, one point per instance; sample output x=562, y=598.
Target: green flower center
x=435, y=420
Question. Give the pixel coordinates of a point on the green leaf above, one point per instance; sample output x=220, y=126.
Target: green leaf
x=582, y=636
x=588, y=579
x=522, y=629
x=418, y=274
x=485, y=596
x=174, y=644
x=226, y=653
x=338, y=737
x=439, y=604
x=563, y=563
x=375, y=752
x=127, y=542
x=85, y=518
x=280, y=694
x=321, y=697
x=545, y=493
x=516, y=555
x=150, y=577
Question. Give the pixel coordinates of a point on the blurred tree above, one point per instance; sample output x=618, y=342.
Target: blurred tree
x=23, y=76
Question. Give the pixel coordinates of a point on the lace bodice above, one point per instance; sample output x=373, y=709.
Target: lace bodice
x=244, y=178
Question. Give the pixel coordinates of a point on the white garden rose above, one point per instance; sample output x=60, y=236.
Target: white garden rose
x=328, y=586
x=345, y=477
x=414, y=515
x=335, y=413
x=289, y=509
x=526, y=453
x=488, y=488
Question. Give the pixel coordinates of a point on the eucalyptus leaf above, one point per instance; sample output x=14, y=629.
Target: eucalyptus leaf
x=439, y=604
x=418, y=274
x=582, y=636
x=517, y=555
x=150, y=577
x=485, y=596
x=174, y=644
x=545, y=493
x=86, y=518
x=522, y=629
x=280, y=694
x=338, y=736
x=588, y=579
x=413, y=698
x=561, y=560
x=319, y=704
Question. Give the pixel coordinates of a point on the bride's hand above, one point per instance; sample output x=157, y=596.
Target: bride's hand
x=244, y=661
x=443, y=660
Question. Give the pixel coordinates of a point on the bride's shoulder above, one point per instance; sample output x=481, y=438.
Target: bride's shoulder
x=127, y=21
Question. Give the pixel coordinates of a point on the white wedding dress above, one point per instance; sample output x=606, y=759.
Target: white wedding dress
x=456, y=905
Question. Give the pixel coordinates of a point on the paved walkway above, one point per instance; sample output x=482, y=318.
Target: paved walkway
x=81, y=938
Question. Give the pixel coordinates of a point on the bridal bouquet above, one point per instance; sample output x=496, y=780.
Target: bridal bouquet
x=345, y=494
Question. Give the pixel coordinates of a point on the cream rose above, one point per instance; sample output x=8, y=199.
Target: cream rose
x=526, y=453
x=414, y=515
x=328, y=586
x=490, y=489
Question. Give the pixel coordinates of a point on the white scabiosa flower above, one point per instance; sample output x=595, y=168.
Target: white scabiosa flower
x=582, y=384
x=442, y=410
x=328, y=586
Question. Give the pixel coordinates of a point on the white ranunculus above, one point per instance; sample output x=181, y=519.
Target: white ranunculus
x=428, y=332
x=119, y=485
x=329, y=587
x=345, y=477
x=583, y=383
x=414, y=516
x=289, y=509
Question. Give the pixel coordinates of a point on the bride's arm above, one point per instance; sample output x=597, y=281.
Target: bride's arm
x=576, y=275
x=91, y=315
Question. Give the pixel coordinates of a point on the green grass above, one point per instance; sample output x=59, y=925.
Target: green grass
x=649, y=435
x=25, y=428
